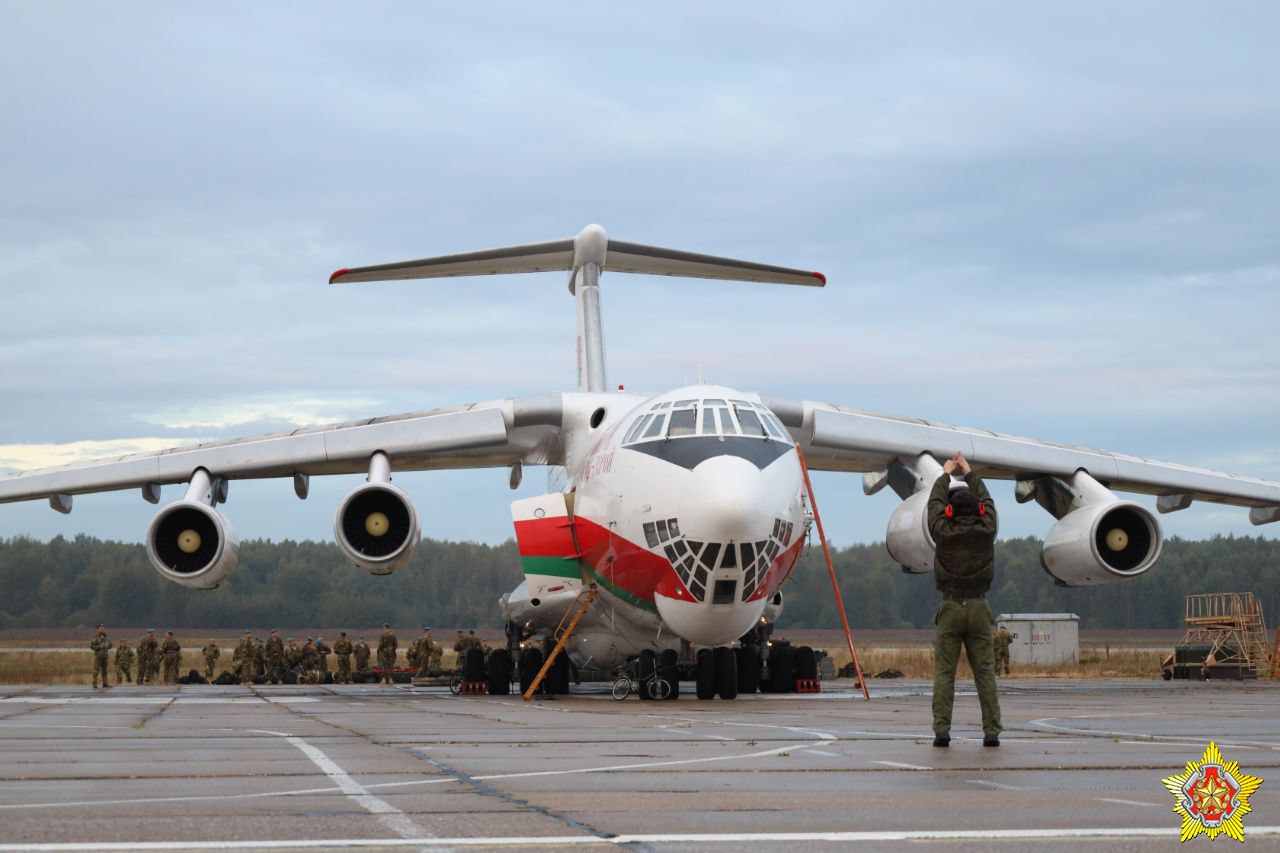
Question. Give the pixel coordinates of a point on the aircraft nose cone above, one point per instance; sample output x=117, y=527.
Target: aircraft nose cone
x=726, y=501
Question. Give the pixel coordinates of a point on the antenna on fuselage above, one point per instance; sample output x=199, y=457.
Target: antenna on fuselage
x=585, y=257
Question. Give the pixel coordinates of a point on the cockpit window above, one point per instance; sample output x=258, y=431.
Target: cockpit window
x=653, y=428
x=683, y=422
x=713, y=417
x=750, y=422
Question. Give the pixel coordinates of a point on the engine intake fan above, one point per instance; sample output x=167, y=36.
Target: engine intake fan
x=191, y=543
x=376, y=525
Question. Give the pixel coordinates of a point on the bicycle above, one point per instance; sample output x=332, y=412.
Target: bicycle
x=628, y=682
x=455, y=682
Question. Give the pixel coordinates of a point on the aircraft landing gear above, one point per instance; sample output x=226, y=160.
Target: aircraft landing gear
x=717, y=673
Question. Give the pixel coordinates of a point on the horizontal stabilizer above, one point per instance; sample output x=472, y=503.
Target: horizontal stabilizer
x=590, y=246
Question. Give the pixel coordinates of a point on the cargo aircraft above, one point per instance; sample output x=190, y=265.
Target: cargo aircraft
x=684, y=509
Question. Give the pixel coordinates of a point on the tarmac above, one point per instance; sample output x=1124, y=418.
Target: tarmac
x=370, y=767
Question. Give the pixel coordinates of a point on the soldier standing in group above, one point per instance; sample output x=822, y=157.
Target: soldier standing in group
x=259, y=659
x=172, y=657
x=148, y=654
x=242, y=658
x=1002, y=639
x=342, y=649
x=323, y=650
x=962, y=521
x=211, y=654
x=124, y=662
x=310, y=660
x=275, y=658
x=422, y=652
x=362, y=653
x=387, y=648
x=101, y=646
x=437, y=652
x=292, y=654
x=460, y=646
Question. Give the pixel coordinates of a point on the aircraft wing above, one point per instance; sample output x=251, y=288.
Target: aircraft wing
x=492, y=434
x=838, y=438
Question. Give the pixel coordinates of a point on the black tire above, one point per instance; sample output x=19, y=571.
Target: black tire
x=473, y=665
x=558, y=676
x=499, y=672
x=530, y=663
x=726, y=673
x=806, y=663
x=706, y=679
x=669, y=671
x=748, y=670
x=1167, y=674
x=647, y=670
x=782, y=671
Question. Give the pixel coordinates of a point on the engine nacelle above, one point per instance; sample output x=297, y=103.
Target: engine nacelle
x=1102, y=543
x=376, y=527
x=908, y=536
x=191, y=543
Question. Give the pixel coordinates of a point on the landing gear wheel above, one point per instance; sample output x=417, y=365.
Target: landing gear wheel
x=706, y=680
x=499, y=672
x=748, y=669
x=806, y=663
x=726, y=673
x=669, y=672
x=473, y=666
x=782, y=673
x=647, y=670
x=530, y=663
x=557, y=680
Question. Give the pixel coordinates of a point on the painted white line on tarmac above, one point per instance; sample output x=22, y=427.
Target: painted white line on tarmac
x=902, y=764
x=1142, y=737
x=739, y=838
x=1127, y=802
x=388, y=815
x=822, y=752
x=998, y=785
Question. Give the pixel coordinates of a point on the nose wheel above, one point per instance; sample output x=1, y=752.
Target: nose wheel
x=717, y=673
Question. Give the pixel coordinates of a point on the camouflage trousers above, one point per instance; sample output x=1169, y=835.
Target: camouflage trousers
x=100, y=670
x=123, y=674
x=344, y=670
x=209, y=663
x=171, y=664
x=1002, y=661
x=968, y=623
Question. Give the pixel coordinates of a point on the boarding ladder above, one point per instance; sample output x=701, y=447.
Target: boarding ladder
x=1275, y=658
x=562, y=633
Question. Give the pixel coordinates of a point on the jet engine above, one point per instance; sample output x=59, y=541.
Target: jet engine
x=189, y=542
x=908, y=538
x=376, y=526
x=1100, y=539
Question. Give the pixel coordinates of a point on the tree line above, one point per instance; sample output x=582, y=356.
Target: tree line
x=82, y=581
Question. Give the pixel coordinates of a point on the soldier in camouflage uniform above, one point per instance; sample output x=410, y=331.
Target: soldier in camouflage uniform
x=242, y=658
x=323, y=650
x=362, y=653
x=124, y=662
x=437, y=653
x=962, y=521
x=211, y=654
x=148, y=654
x=422, y=652
x=292, y=654
x=101, y=646
x=342, y=650
x=1002, y=640
x=310, y=660
x=259, y=658
x=387, y=648
x=172, y=653
x=275, y=658
x=460, y=646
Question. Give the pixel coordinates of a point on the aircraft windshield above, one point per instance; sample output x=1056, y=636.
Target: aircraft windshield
x=714, y=416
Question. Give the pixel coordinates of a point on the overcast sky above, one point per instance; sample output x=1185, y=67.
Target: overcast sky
x=1058, y=221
